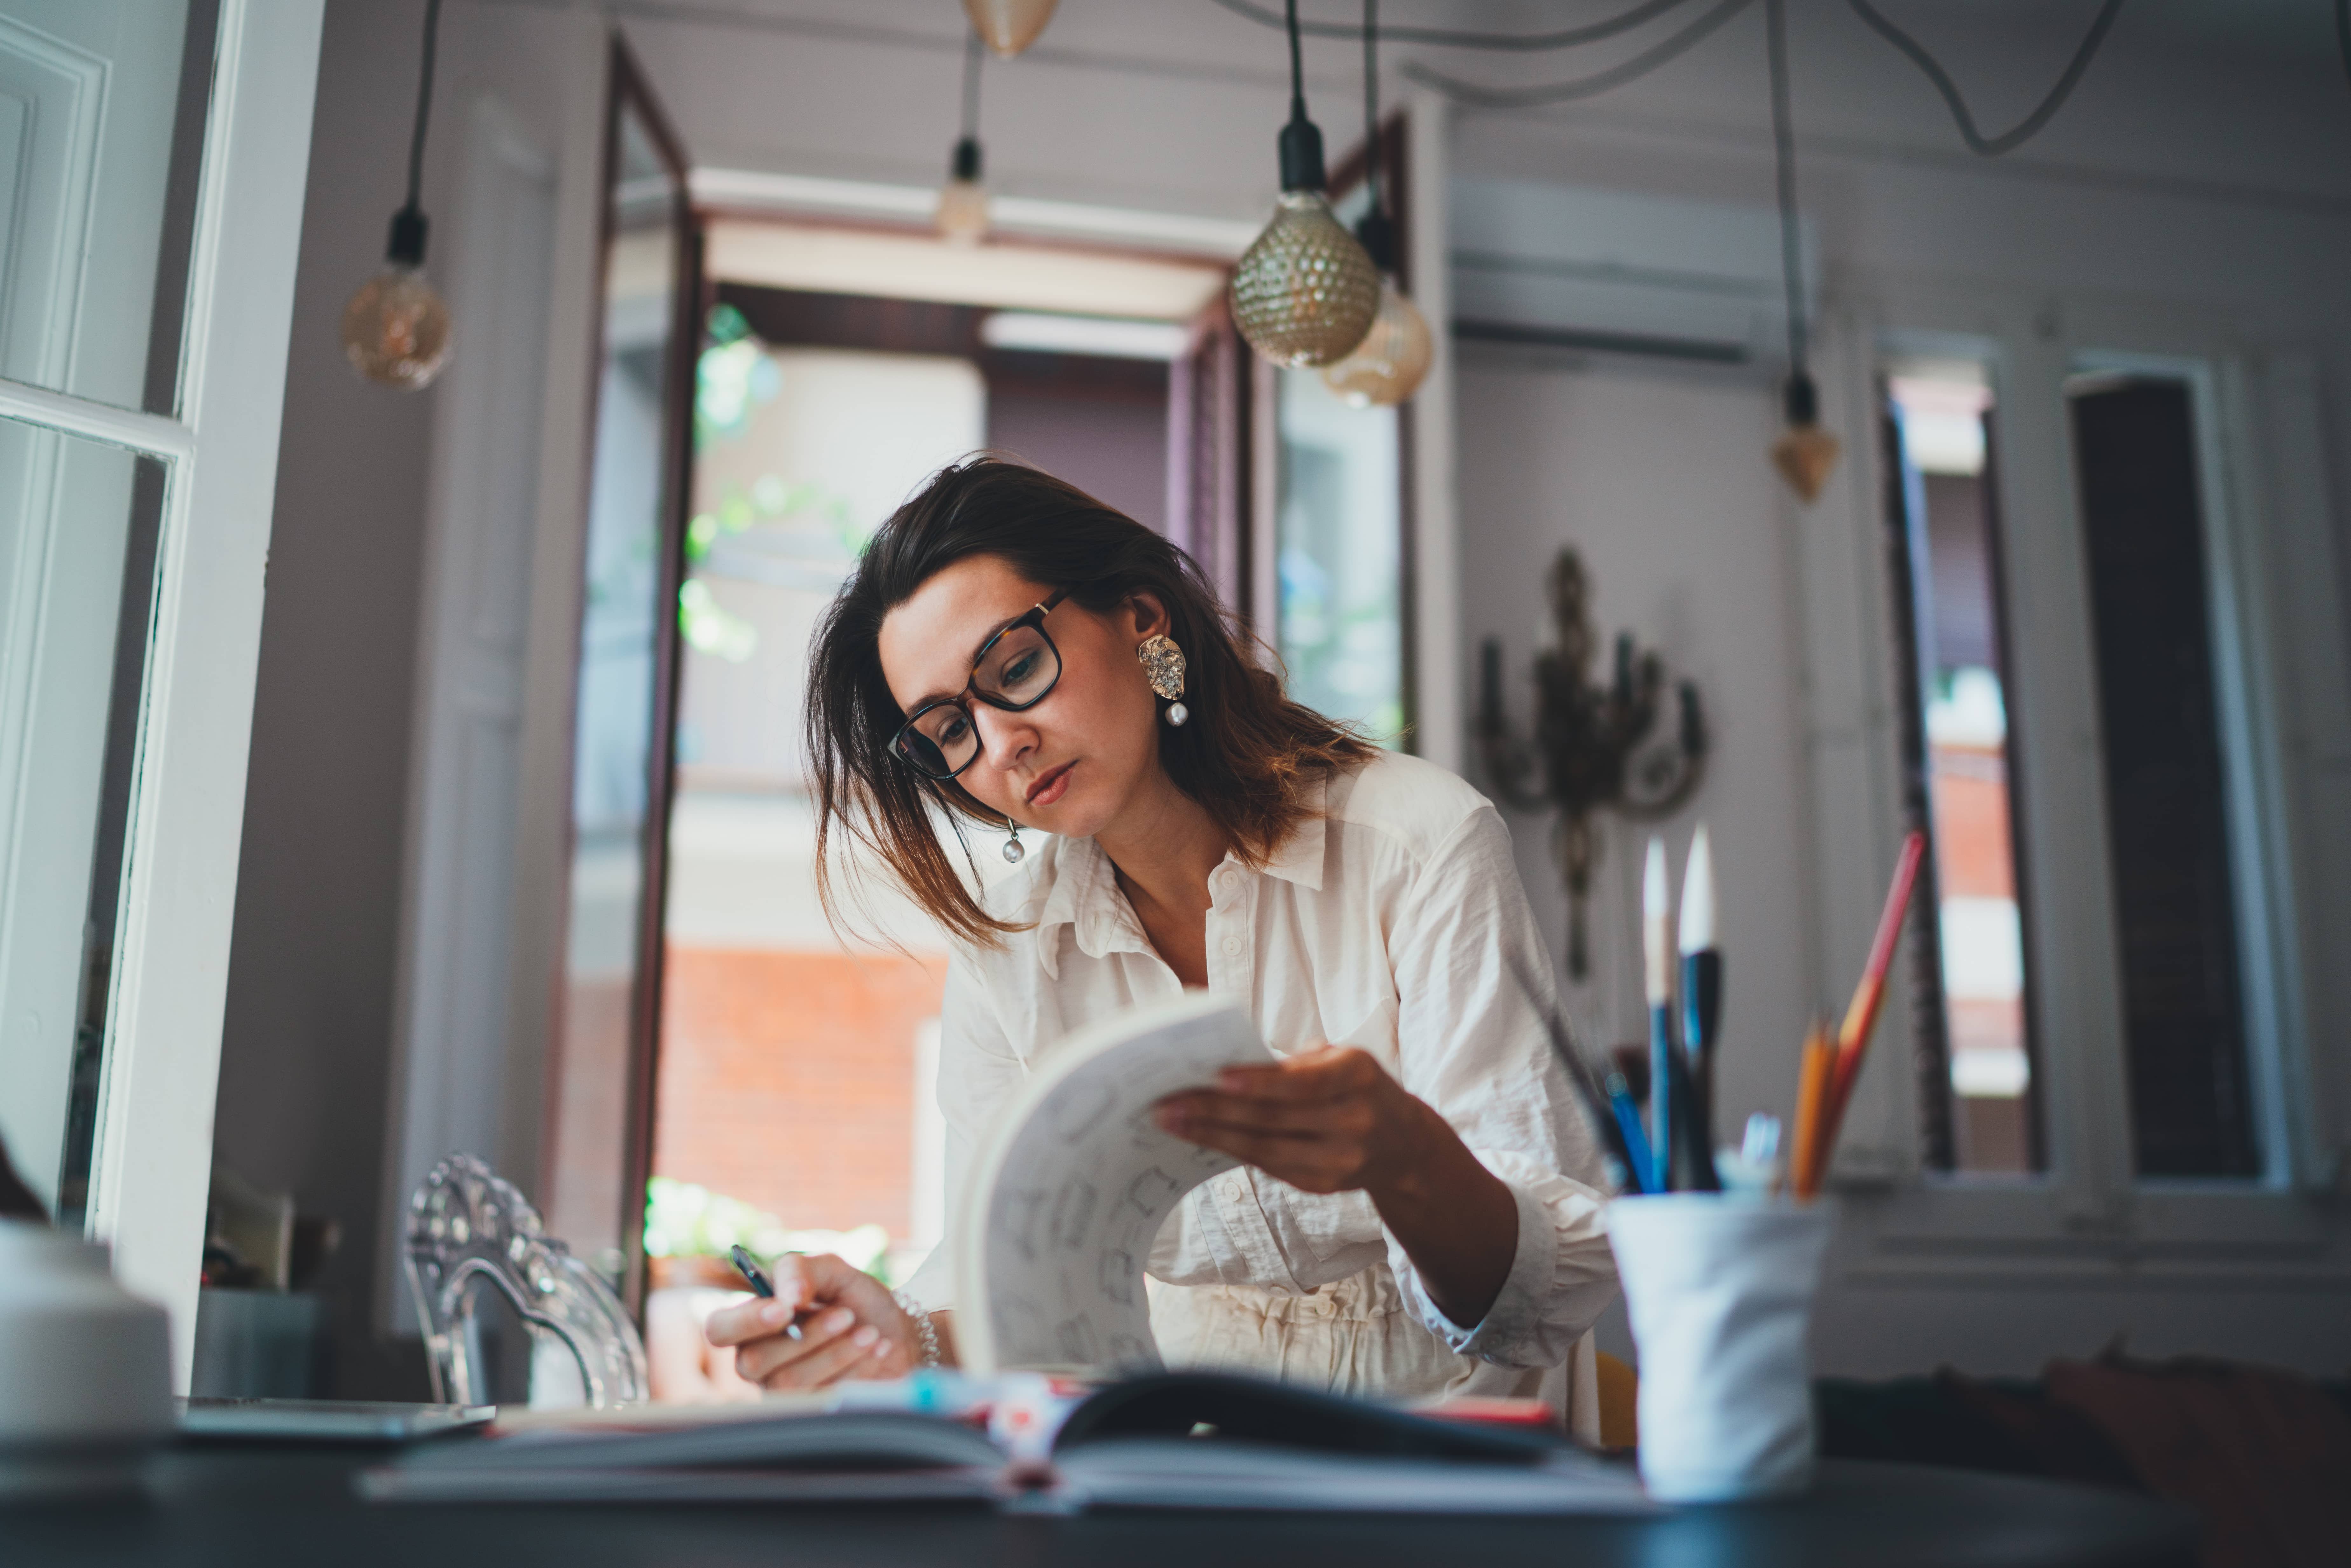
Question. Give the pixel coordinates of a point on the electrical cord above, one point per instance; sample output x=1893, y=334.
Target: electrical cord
x=1372, y=107
x=423, y=103
x=1783, y=148
x=1452, y=38
x=1598, y=82
x=2030, y=126
x=972, y=54
x=2343, y=32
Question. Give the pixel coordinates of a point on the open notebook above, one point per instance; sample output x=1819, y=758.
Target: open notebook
x=1170, y=1440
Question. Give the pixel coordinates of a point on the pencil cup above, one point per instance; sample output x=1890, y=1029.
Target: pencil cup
x=1720, y=1290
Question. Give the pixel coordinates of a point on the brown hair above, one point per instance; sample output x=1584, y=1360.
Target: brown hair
x=1248, y=756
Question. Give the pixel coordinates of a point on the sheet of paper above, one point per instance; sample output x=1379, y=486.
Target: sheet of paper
x=1077, y=1188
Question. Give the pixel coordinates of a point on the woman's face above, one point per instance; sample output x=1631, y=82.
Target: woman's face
x=1074, y=762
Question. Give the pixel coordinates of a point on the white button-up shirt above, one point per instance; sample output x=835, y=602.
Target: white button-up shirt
x=1392, y=920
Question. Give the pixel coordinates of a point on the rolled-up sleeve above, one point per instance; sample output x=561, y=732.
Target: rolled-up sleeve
x=1474, y=988
x=978, y=1072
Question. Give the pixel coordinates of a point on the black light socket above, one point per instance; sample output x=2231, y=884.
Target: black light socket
x=1302, y=156
x=1803, y=400
x=407, y=245
x=1377, y=230
x=966, y=165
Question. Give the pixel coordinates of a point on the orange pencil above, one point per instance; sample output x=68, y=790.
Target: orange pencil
x=1804, y=1158
x=1861, y=1017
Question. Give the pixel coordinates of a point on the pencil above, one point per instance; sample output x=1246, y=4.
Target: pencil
x=1861, y=1016
x=1805, y=1157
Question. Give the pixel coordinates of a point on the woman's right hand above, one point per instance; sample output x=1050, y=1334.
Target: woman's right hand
x=850, y=1326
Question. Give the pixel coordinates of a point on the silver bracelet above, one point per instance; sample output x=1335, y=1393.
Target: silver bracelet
x=926, y=1330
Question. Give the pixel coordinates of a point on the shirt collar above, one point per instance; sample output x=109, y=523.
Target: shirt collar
x=1086, y=893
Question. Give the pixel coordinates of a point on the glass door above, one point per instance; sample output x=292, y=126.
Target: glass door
x=610, y=990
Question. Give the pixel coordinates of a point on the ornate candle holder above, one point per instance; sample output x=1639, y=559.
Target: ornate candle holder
x=1595, y=747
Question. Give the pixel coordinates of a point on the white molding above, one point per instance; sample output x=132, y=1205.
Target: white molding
x=73, y=160
x=453, y=1002
x=153, y=1162
x=756, y=191
x=552, y=655
x=1440, y=697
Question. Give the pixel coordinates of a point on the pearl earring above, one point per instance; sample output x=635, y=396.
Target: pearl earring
x=1163, y=666
x=1013, y=848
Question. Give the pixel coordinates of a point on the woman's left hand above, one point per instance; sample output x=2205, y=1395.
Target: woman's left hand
x=1326, y=1120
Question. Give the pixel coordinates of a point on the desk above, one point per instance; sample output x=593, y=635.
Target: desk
x=247, y=1507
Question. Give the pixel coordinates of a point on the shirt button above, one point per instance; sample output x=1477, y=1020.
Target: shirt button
x=1232, y=946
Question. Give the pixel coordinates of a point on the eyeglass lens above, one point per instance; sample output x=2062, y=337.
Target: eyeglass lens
x=1019, y=668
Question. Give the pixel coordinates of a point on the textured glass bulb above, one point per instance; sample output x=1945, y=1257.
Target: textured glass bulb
x=1009, y=25
x=1385, y=369
x=396, y=329
x=1305, y=291
x=962, y=215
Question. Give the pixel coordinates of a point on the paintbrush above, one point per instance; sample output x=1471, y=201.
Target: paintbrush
x=1701, y=972
x=1656, y=921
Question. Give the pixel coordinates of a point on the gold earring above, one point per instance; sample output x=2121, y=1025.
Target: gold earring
x=1163, y=666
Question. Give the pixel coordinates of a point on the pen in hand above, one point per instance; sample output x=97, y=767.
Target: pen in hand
x=757, y=1277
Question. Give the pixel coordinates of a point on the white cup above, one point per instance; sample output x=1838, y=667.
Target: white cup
x=1719, y=1288
x=85, y=1369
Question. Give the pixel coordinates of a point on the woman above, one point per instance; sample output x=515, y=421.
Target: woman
x=1417, y=1214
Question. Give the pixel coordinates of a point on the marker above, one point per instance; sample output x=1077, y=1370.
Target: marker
x=761, y=1286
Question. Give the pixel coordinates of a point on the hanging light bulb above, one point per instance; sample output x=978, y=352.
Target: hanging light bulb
x=1805, y=454
x=1009, y=25
x=1387, y=366
x=1305, y=292
x=396, y=326
x=1385, y=369
x=962, y=215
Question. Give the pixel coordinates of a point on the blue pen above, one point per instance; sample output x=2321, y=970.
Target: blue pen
x=1637, y=1143
x=757, y=1277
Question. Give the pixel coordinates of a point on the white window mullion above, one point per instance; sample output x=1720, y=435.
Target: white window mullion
x=149, y=433
x=151, y=1166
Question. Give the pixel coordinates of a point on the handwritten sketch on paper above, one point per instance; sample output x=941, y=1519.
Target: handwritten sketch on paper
x=1067, y=1196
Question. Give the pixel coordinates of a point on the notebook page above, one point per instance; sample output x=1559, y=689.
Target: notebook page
x=1075, y=1187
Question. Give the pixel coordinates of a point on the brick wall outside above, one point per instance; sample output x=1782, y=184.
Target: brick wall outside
x=787, y=1080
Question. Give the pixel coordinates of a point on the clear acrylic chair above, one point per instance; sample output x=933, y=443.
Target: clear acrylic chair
x=470, y=1228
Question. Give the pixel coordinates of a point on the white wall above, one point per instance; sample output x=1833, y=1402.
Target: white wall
x=2198, y=174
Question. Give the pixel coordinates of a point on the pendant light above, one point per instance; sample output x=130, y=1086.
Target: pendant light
x=962, y=215
x=1305, y=292
x=1009, y=25
x=1805, y=454
x=1385, y=369
x=396, y=326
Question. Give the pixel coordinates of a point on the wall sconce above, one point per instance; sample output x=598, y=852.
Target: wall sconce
x=1595, y=747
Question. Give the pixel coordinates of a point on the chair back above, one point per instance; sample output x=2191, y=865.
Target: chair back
x=469, y=1228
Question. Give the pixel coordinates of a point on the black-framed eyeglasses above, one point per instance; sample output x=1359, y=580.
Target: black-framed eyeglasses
x=1016, y=670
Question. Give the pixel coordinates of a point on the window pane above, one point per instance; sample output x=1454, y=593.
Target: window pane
x=1339, y=531
x=2176, y=918
x=102, y=129
x=77, y=567
x=1981, y=1114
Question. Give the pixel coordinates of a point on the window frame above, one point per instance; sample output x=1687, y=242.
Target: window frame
x=151, y=1161
x=2086, y=1216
